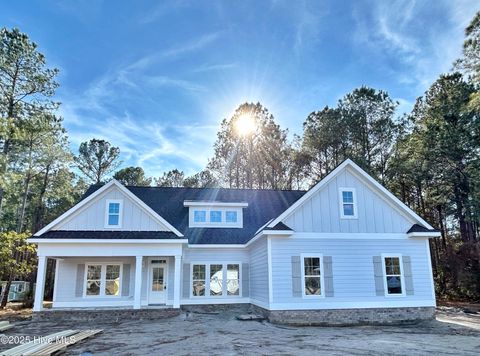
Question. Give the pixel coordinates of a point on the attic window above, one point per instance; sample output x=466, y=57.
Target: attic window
x=216, y=216
x=113, y=213
x=348, y=203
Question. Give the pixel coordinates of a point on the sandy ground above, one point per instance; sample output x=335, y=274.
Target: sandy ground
x=453, y=333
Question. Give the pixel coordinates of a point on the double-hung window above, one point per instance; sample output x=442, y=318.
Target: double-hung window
x=113, y=215
x=393, y=275
x=348, y=204
x=103, y=280
x=312, y=275
x=198, y=280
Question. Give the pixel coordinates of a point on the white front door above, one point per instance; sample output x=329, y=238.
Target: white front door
x=157, y=288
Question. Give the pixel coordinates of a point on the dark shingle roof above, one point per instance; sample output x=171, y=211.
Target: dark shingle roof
x=120, y=235
x=263, y=205
x=420, y=228
x=279, y=227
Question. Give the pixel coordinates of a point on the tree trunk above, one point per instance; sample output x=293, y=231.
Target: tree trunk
x=24, y=203
x=6, y=290
x=39, y=210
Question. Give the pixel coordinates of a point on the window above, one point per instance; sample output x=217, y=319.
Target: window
x=233, y=279
x=312, y=276
x=348, y=208
x=198, y=280
x=231, y=216
x=112, y=280
x=223, y=279
x=393, y=275
x=113, y=217
x=200, y=216
x=94, y=275
x=216, y=280
x=103, y=279
x=215, y=216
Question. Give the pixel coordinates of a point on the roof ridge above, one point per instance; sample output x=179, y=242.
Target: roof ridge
x=219, y=188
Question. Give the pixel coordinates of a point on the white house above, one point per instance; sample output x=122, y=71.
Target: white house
x=345, y=251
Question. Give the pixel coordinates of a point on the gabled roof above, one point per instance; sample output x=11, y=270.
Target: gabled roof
x=419, y=228
x=263, y=205
x=99, y=190
x=348, y=163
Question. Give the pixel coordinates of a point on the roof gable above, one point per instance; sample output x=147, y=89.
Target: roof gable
x=374, y=193
x=89, y=213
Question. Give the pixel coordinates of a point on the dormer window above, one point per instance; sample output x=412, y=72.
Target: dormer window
x=348, y=203
x=215, y=214
x=231, y=216
x=199, y=216
x=113, y=213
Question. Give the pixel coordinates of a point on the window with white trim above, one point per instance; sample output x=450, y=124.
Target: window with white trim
x=113, y=214
x=198, y=280
x=223, y=279
x=103, y=280
x=218, y=217
x=312, y=276
x=393, y=275
x=199, y=216
x=348, y=204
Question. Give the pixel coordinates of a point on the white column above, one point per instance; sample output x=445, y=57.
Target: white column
x=176, y=284
x=138, y=283
x=40, y=287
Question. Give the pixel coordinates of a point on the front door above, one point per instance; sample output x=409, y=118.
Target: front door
x=156, y=286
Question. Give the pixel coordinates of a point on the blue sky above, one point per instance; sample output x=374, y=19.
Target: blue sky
x=156, y=78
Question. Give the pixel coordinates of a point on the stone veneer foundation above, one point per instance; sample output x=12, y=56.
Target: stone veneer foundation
x=112, y=314
x=324, y=317
x=345, y=317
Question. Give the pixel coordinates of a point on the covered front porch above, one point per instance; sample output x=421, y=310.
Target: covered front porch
x=114, y=274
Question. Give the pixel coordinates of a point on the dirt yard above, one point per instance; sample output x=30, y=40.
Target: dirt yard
x=453, y=333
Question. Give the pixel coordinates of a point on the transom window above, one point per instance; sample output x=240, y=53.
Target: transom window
x=393, y=275
x=102, y=280
x=113, y=216
x=348, y=209
x=218, y=283
x=312, y=276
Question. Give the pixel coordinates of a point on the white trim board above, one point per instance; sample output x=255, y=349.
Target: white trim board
x=359, y=173
x=99, y=192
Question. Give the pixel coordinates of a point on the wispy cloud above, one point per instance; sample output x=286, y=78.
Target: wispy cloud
x=394, y=29
x=215, y=67
x=192, y=45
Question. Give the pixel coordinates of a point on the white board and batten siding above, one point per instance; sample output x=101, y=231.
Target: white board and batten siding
x=321, y=212
x=212, y=256
x=92, y=216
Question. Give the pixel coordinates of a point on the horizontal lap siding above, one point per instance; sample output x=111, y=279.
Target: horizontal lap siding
x=353, y=274
x=67, y=278
x=321, y=213
x=259, y=271
x=92, y=217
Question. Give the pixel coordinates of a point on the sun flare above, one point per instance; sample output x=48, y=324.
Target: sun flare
x=245, y=124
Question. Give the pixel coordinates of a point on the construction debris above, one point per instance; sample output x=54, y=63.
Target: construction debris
x=250, y=317
x=5, y=325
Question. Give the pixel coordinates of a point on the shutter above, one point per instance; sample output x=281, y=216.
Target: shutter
x=126, y=280
x=407, y=275
x=245, y=280
x=186, y=280
x=80, y=280
x=296, y=277
x=378, y=273
x=328, y=275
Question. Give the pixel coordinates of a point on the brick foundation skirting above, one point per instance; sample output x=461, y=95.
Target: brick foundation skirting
x=105, y=314
x=345, y=317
